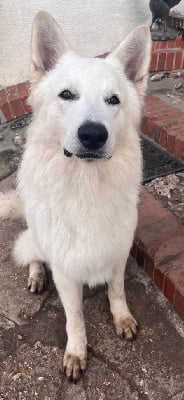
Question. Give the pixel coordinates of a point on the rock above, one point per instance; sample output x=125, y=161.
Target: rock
x=178, y=85
x=19, y=140
x=157, y=77
x=174, y=74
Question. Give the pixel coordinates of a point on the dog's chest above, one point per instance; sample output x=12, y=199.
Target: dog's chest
x=83, y=222
x=84, y=232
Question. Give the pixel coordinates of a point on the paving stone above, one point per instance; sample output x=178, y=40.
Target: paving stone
x=179, y=396
x=151, y=368
x=6, y=323
x=16, y=303
x=102, y=383
x=36, y=372
x=154, y=362
x=33, y=373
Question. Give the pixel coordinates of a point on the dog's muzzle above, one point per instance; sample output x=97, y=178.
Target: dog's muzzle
x=92, y=137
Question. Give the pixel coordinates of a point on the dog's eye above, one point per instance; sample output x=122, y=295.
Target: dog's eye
x=113, y=100
x=67, y=95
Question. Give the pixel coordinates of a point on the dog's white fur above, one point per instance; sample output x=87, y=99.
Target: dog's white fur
x=82, y=215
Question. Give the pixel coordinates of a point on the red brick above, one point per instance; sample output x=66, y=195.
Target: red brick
x=155, y=45
x=154, y=61
x=170, y=248
x=151, y=100
x=163, y=44
x=182, y=65
x=7, y=111
x=179, y=146
x=26, y=106
x=169, y=289
x=171, y=44
x=161, y=61
x=147, y=126
x=169, y=63
x=170, y=114
x=179, y=302
x=156, y=133
x=155, y=222
x=177, y=127
x=152, y=241
x=163, y=138
x=149, y=265
x=23, y=90
x=170, y=142
x=154, y=215
x=148, y=204
x=12, y=93
x=172, y=282
x=156, y=109
x=3, y=97
x=17, y=108
x=156, y=105
x=159, y=276
x=178, y=60
x=172, y=124
x=178, y=42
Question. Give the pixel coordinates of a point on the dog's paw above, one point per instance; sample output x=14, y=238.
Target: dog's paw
x=74, y=366
x=37, y=280
x=126, y=326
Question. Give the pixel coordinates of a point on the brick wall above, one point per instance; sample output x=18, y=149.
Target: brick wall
x=167, y=55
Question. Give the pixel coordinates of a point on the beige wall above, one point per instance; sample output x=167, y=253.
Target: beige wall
x=92, y=27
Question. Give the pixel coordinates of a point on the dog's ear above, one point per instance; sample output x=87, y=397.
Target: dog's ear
x=134, y=54
x=48, y=44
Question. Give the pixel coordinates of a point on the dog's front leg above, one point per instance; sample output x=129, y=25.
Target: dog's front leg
x=75, y=356
x=124, y=322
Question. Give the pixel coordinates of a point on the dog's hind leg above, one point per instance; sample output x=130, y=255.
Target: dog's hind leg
x=26, y=253
x=125, y=323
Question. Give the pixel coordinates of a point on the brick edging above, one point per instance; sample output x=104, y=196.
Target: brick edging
x=13, y=102
x=159, y=248
x=167, y=55
x=165, y=124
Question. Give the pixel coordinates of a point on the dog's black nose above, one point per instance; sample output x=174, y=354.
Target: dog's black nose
x=92, y=135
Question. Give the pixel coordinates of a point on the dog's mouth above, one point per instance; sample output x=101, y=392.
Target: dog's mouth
x=67, y=153
x=86, y=156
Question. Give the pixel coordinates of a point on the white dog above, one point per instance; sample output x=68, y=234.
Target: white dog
x=80, y=174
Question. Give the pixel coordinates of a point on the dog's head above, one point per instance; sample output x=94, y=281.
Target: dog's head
x=85, y=101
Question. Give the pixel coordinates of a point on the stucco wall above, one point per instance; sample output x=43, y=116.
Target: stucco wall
x=92, y=26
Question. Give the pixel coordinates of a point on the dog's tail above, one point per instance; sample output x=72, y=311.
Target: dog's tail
x=10, y=205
